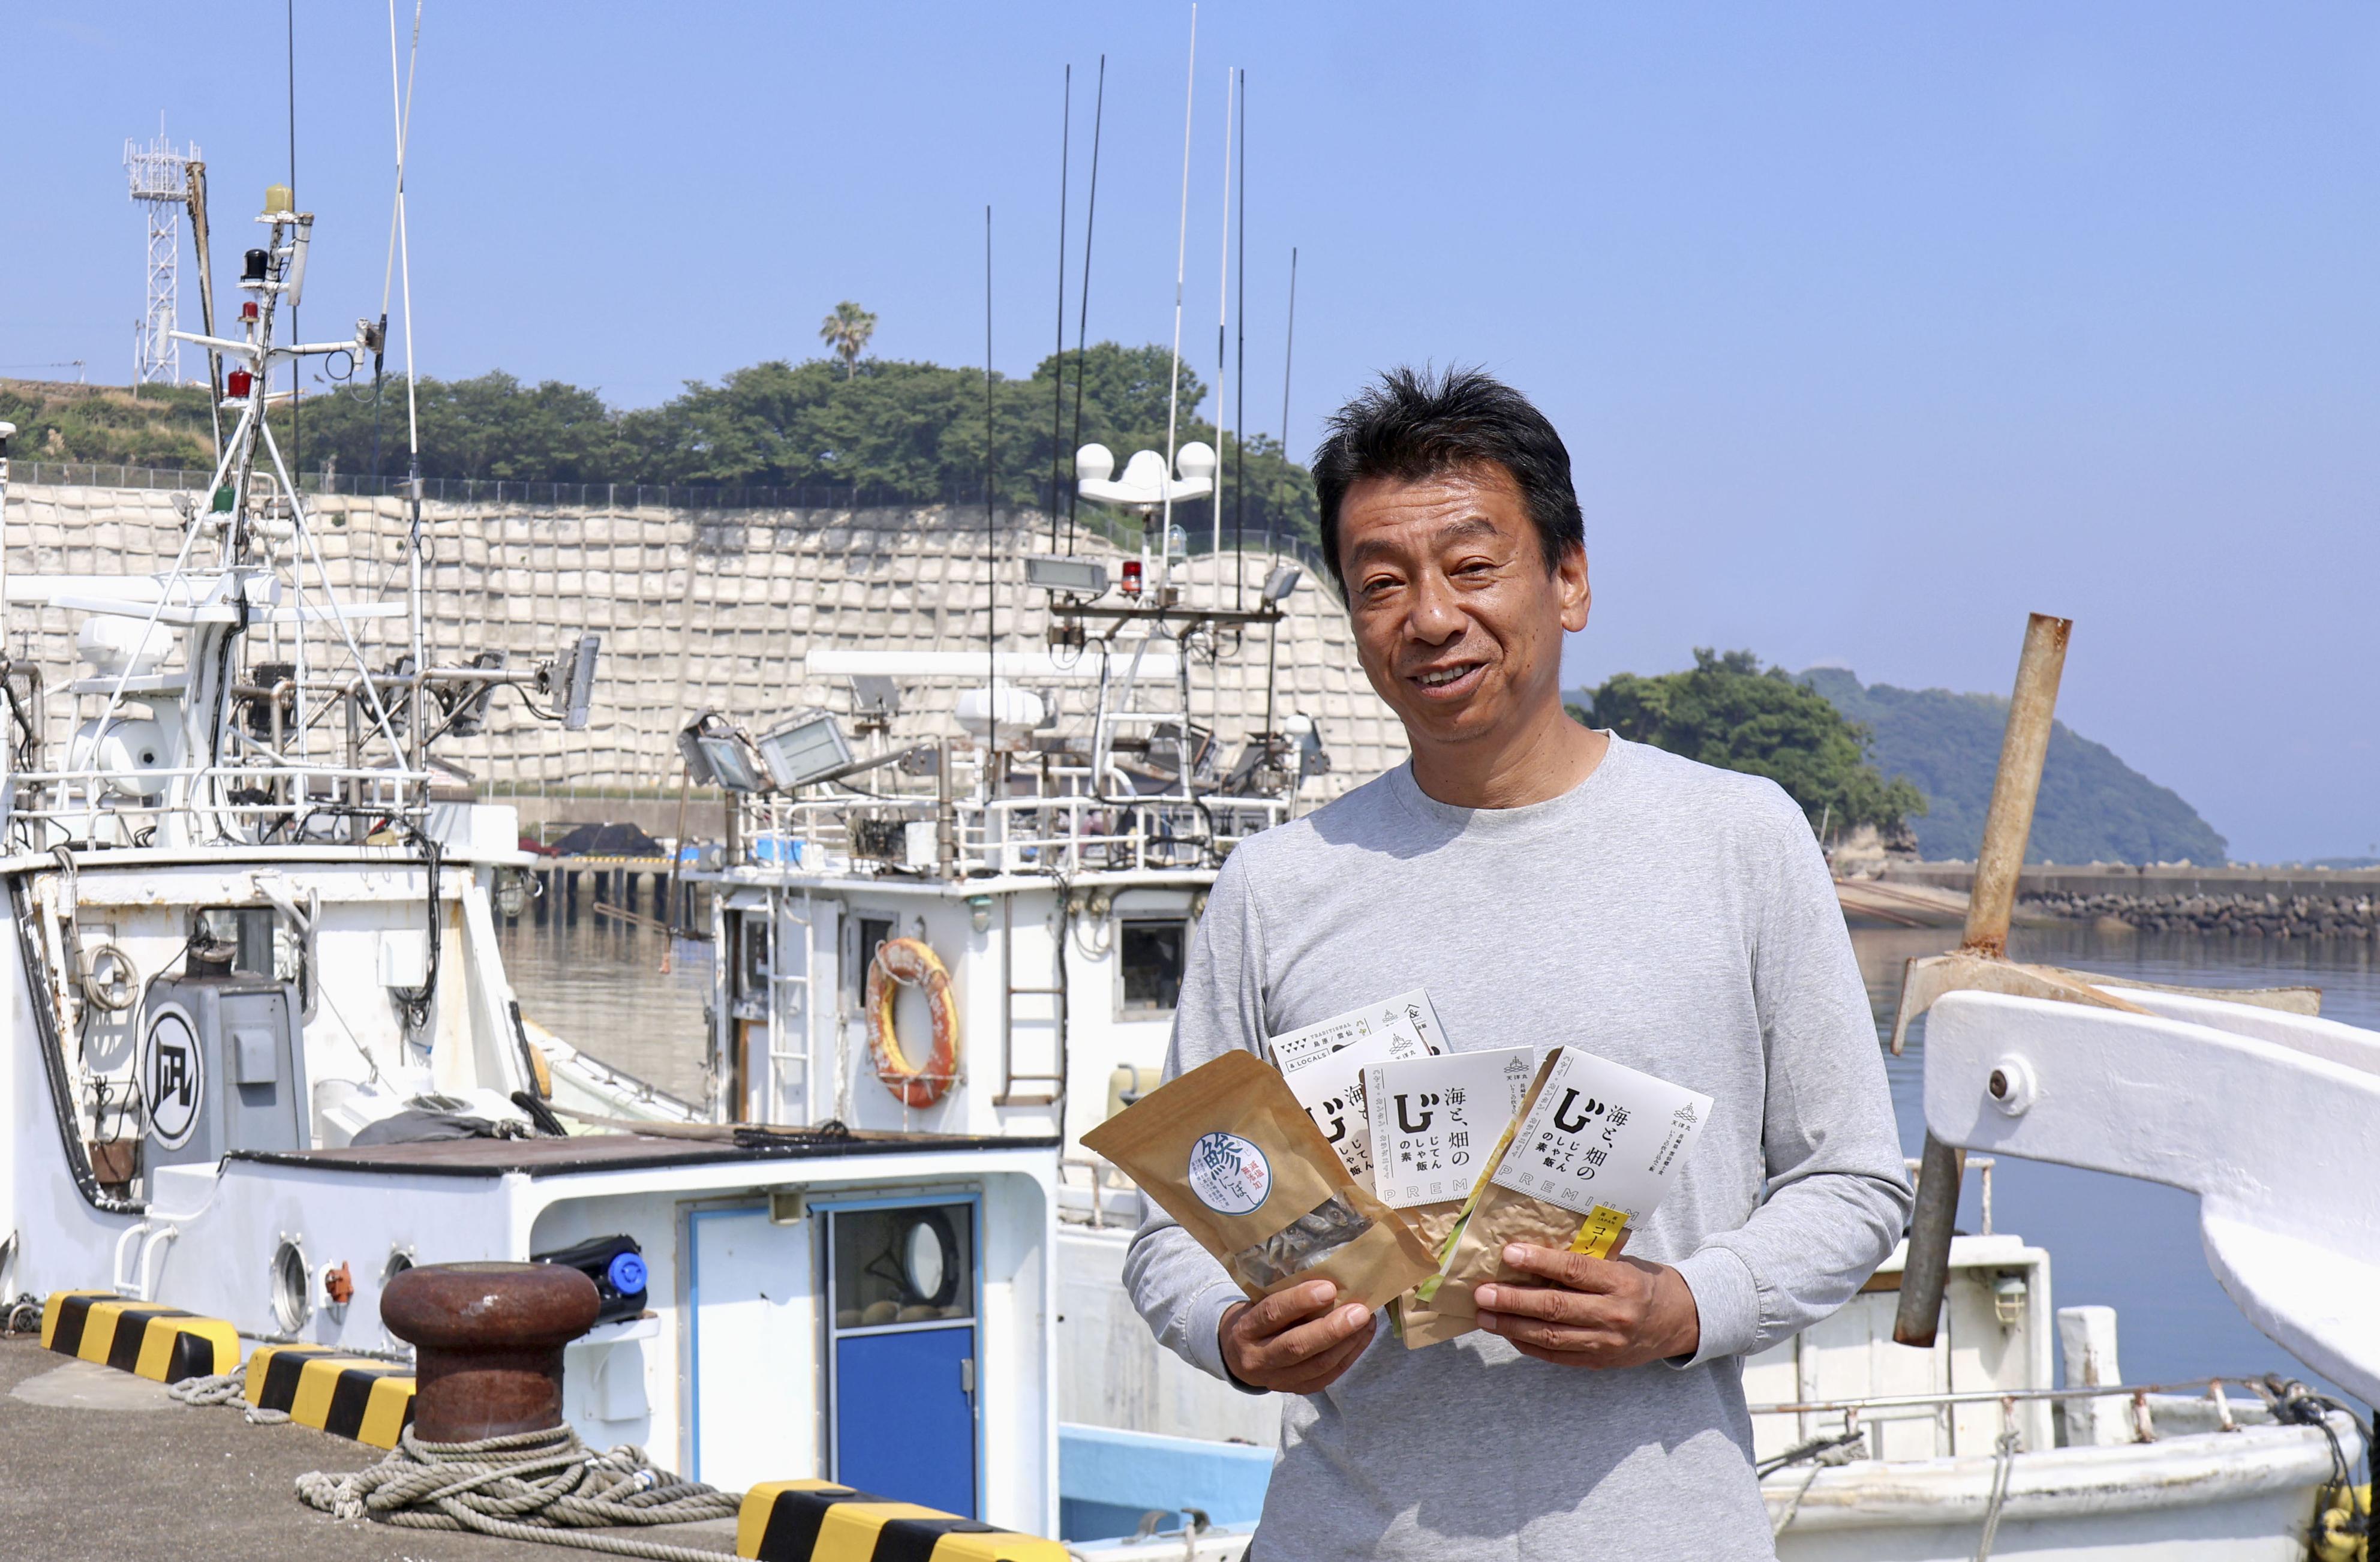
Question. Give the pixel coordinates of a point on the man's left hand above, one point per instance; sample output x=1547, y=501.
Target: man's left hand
x=1592, y=1311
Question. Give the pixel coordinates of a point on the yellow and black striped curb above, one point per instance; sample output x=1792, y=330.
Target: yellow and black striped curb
x=819, y=1522
x=164, y=1344
x=345, y=1396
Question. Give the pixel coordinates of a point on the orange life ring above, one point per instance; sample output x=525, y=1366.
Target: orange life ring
x=909, y=962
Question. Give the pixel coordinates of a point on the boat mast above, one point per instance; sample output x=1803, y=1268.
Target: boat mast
x=1181, y=265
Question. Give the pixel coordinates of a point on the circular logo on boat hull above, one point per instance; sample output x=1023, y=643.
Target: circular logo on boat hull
x=173, y=1078
x=1230, y=1175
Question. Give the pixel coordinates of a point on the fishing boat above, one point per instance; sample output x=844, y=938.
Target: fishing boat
x=264, y=1055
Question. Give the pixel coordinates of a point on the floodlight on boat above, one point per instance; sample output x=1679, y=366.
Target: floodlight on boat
x=718, y=755
x=1281, y=581
x=1081, y=576
x=810, y=748
x=582, y=682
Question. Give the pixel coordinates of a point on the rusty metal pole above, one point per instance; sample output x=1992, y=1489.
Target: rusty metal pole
x=1990, y=904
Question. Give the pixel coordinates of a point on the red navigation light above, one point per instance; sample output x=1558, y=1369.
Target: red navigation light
x=1132, y=576
x=237, y=384
x=247, y=310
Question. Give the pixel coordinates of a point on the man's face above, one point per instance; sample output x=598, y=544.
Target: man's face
x=1458, y=622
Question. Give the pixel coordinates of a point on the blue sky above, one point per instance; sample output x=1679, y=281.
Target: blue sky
x=1870, y=327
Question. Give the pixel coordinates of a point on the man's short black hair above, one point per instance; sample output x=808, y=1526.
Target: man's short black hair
x=1414, y=424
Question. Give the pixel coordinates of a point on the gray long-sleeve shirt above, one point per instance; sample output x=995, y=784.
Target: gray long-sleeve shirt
x=1665, y=915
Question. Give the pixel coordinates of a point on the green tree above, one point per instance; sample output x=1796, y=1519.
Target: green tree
x=1724, y=711
x=490, y=426
x=845, y=333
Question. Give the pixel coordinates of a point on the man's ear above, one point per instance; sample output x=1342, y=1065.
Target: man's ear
x=1569, y=580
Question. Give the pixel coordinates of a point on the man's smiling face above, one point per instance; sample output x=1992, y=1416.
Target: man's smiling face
x=1457, y=619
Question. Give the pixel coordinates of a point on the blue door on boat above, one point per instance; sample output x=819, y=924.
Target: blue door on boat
x=904, y=1352
x=905, y=1426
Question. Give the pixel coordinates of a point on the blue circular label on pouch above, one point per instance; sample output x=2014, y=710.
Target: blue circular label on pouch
x=1229, y=1174
x=627, y=1273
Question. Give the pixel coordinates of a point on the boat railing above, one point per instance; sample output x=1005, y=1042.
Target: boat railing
x=1861, y=1412
x=1041, y=832
x=1982, y=1167
x=1093, y=1192
x=47, y=807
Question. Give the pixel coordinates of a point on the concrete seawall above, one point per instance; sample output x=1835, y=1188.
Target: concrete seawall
x=2249, y=902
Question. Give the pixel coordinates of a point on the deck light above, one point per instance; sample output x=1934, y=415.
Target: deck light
x=804, y=750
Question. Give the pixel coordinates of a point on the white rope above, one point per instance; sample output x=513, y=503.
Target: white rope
x=2002, y=1469
x=533, y=1485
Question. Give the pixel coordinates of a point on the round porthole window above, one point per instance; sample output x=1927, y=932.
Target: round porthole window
x=929, y=1259
x=293, y=1298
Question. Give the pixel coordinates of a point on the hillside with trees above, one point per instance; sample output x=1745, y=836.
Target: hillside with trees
x=1726, y=711
x=2093, y=807
x=865, y=430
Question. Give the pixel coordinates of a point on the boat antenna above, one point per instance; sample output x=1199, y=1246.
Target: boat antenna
x=296, y=367
x=1082, y=294
x=1240, y=378
x=1181, y=262
x=1287, y=358
x=400, y=260
x=1058, y=359
x=1222, y=309
x=990, y=526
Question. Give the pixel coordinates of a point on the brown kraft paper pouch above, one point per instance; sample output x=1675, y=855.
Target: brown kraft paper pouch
x=1229, y=1153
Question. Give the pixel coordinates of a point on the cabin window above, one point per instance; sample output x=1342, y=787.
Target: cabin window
x=246, y=934
x=910, y=1265
x=874, y=932
x=1154, y=952
x=752, y=970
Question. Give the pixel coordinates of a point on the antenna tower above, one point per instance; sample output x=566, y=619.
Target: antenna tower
x=161, y=181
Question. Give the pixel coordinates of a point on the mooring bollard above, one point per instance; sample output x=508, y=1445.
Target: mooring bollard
x=488, y=1341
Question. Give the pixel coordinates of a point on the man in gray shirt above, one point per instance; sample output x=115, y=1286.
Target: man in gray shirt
x=1549, y=886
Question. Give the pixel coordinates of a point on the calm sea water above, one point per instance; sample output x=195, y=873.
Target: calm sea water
x=2134, y=1246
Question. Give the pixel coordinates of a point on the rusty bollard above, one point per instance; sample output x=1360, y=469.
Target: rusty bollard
x=488, y=1341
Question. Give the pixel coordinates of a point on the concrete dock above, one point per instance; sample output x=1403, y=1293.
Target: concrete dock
x=97, y=1465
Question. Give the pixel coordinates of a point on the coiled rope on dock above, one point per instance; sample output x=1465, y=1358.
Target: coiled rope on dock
x=224, y=1388
x=545, y=1486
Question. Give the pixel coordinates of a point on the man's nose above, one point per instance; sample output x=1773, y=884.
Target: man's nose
x=1434, y=619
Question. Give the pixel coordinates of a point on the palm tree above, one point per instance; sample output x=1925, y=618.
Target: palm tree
x=846, y=332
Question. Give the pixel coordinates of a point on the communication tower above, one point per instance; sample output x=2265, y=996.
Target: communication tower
x=161, y=182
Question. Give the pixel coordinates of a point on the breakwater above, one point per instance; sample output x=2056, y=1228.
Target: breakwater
x=2265, y=916
x=2250, y=901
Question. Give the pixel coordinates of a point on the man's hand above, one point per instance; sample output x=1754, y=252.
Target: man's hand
x=1294, y=1341
x=1594, y=1312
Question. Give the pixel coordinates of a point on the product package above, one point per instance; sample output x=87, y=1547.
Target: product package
x=1435, y=1123
x=1596, y=1147
x=1228, y=1151
x=1324, y=1065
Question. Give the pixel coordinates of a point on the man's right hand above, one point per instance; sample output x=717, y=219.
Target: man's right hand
x=1294, y=1341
